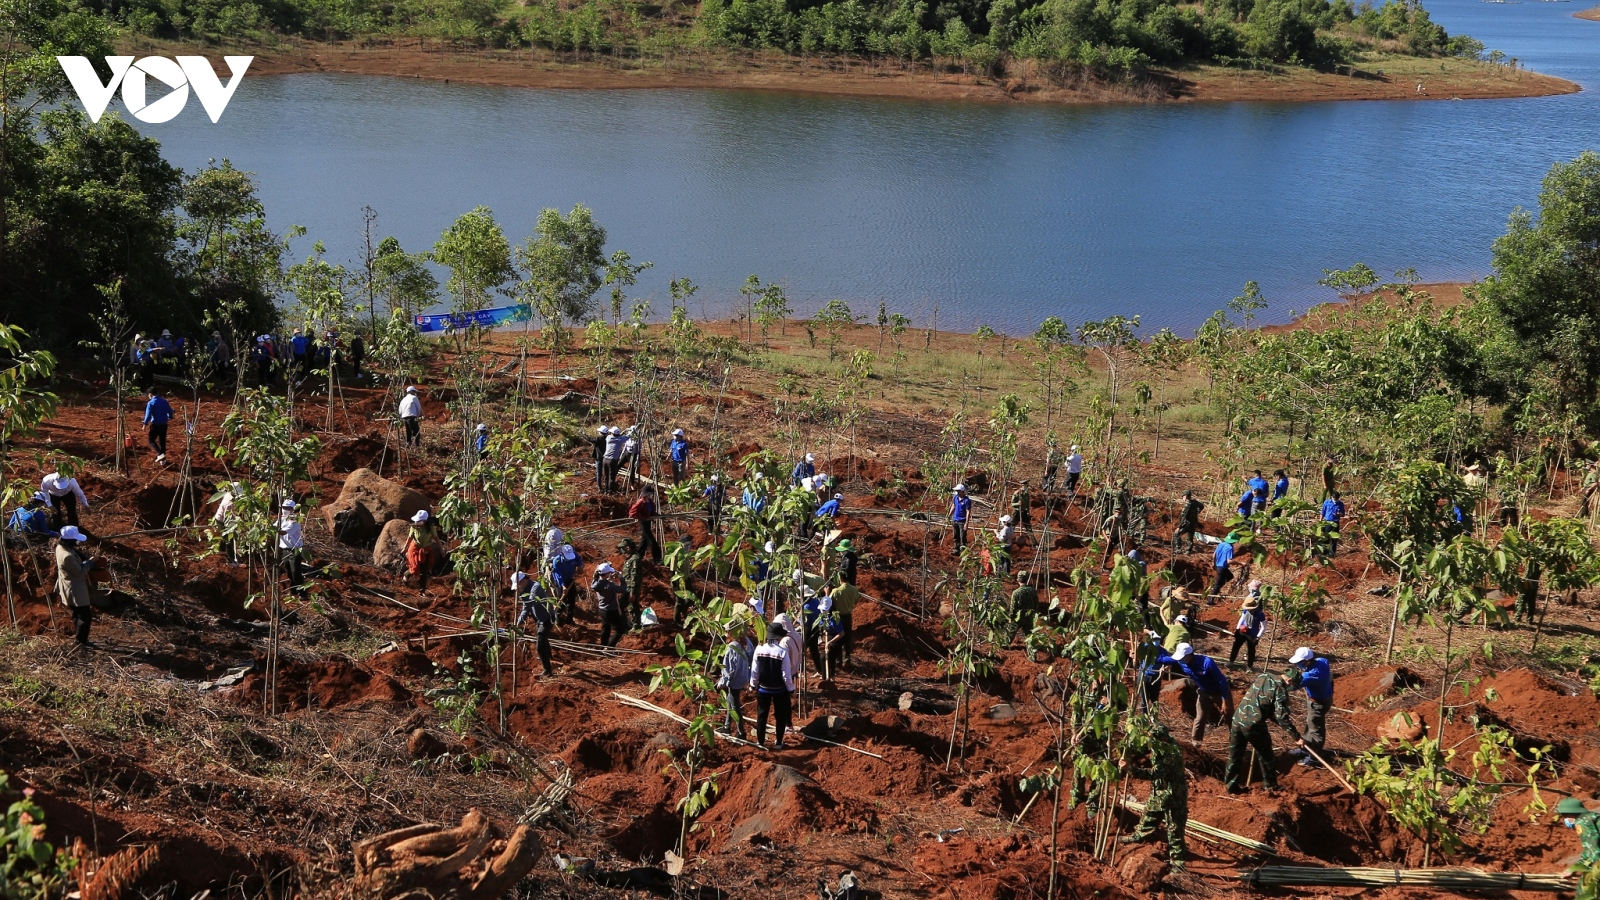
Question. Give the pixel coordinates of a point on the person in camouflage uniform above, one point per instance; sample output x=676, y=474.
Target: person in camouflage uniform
x=1267, y=700
x=1169, y=795
x=1574, y=814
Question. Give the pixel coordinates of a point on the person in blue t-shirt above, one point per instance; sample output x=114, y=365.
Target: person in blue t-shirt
x=1280, y=487
x=1222, y=562
x=157, y=413
x=1316, y=676
x=1332, y=513
x=1214, y=701
x=30, y=519
x=480, y=443
x=805, y=468
x=960, y=507
x=1247, y=502
x=678, y=452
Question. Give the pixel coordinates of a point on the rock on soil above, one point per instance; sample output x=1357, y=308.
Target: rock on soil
x=1143, y=872
x=383, y=500
x=390, y=552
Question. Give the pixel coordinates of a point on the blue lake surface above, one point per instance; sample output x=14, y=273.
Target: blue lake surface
x=995, y=214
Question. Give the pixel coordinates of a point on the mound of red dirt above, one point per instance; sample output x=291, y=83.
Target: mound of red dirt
x=325, y=684
x=766, y=798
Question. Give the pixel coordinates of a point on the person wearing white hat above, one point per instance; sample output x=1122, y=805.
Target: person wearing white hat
x=610, y=600
x=614, y=444
x=553, y=539
x=1074, y=469
x=831, y=508
x=222, y=520
x=960, y=508
x=72, y=582
x=1177, y=633
x=678, y=453
x=1315, y=674
x=290, y=543
x=63, y=495
x=805, y=468
x=1214, y=698
x=480, y=441
x=422, y=548
x=411, y=416
x=1005, y=536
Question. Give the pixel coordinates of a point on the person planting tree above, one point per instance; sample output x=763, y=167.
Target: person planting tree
x=1316, y=677
x=63, y=495
x=1213, y=702
x=1267, y=700
x=1169, y=796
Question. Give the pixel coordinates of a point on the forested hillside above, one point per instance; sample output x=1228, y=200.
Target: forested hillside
x=1110, y=35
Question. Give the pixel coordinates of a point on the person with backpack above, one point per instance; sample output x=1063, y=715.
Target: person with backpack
x=735, y=678
x=772, y=678
x=610, y=599
x=1247, y=631
x=644, y=511
x=533, y=603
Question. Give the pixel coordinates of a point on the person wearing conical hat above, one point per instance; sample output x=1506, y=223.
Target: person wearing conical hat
x=1247, y=631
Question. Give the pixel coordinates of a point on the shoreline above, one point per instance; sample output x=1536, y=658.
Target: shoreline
x=1397, y=80
x=1592, y=14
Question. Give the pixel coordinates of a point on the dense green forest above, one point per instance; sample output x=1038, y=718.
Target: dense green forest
x=1103, y=34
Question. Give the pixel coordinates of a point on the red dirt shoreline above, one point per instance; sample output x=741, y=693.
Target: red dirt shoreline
x=537, y=69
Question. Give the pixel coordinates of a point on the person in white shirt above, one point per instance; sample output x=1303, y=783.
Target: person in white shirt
x=411, y=416
x=772, y=678
x=1074, y=469
x=290, y=541
x=62, y=495
x=1005, y=536
x=630, y=457
x=225, y=515
x=614, y=444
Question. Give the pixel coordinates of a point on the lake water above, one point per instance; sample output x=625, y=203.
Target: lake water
x=996, y=214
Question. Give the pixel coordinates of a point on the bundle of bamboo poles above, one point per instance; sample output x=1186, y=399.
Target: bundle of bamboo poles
x=1445, y=879
x=1211, y=831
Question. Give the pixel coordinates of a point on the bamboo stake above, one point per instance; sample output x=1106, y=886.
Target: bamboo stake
x=1201, y=828
x=1456, y=879
x=837, y=744
x=1318, y=757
